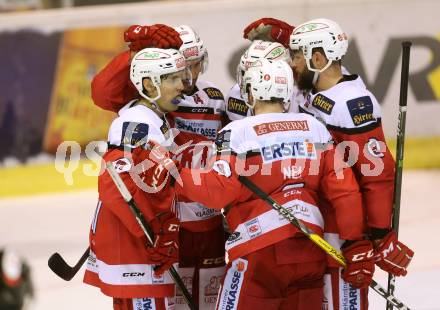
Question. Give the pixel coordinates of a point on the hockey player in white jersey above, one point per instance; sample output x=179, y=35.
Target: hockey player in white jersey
x=236, y=107
x=121, y=263
x=198, y=117
x=352, y=115
x=271, y=264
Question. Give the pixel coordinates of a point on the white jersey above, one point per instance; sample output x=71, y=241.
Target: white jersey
x=135, y=125
x=198, y=119
x=236, y=107
x=347, y=105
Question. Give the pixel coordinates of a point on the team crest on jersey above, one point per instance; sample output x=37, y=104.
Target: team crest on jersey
x=134, y=134
x=361, y=110
x=323, y=104
x=237, y=106
x=214, y=93
x=223, y=141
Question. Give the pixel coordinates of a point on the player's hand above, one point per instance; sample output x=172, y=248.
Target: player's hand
x=157, y=166
x=269, y=29
x=360, y=263
x=165, y=250
x=392, y=255
x=157, y=35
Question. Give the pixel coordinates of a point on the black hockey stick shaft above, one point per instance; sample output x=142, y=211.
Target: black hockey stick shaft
x=147, y=230
x=400, y=144
x=59, y=266
x=318, y=240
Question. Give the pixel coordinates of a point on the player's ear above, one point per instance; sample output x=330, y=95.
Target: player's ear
x=318, y=59
x=149, y=88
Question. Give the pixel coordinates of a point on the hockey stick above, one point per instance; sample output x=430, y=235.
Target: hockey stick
x=59, y=266
x=406, y=47
x=317, y=239
x=146, y=229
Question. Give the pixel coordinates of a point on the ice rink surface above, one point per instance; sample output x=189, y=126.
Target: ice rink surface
x=38, y=226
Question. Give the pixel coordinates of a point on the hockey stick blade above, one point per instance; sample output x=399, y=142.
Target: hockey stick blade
x=59, y=266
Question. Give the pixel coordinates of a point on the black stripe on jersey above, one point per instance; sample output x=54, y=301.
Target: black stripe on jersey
x=198, y=110
x=214, y=93
x=356, y=130
x=302, y=110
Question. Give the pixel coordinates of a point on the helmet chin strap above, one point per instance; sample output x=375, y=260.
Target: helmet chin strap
x=317, y=71
x=151, y=102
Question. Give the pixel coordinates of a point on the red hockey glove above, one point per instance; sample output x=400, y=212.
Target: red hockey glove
x=392, y=255
x=165, y=250
x=269, y=29
x=157, y=35
x=157, y=166
x=360, y=264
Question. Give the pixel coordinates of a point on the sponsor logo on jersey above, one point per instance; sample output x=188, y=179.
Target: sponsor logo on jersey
x=323, y=104
x=187, y=281
x=223, y=140
x=157, y=279
x=237, y=106
x=285, y=150
x=134, y=134
x=214, y=93
x=234, y=236
x=212, y=288
x=292, y=172
x=197, y=99
x=361, y=110
x=205, y=212
x=122, y=165
x=232, y=286
x=253, y=228
x=349, y=296
x=144, y=304
x=207, y=128
x=214, y=261
x=202, y=110
x=133, y=274
x=266, y=128
x=374, y=147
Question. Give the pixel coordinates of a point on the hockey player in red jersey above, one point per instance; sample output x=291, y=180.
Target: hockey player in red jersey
x=352, y=115
x=121, y=263
x=271, y=264
x=199, y=116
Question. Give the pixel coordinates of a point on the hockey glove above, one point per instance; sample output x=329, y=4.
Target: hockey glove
x=157, y=167
x=392, y=255
x=360, y=263
x=269, y=29
x=165, y=250
x=157, y=35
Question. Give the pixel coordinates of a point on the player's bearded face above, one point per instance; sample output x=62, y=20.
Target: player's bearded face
x=304, y=79
x=302, y=75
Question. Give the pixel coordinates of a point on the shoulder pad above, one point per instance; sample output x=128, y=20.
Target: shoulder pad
x=134, y=134
x=237, y=106
x=214, y=93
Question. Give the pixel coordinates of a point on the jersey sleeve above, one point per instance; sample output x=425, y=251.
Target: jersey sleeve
x=113, y=200
x=111, y=88
x=374, y=167
x=340, y=188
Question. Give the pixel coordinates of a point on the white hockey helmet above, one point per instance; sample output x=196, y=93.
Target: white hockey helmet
x=258, y=50
x=323, y=33
x=193, y=47
x=153, y=63
x=267, y=80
